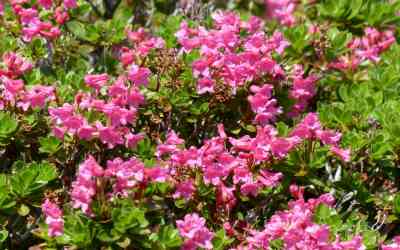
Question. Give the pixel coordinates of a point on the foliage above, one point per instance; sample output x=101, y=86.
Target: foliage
x=199, y=124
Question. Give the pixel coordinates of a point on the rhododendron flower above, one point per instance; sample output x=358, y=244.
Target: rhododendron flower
x=204, y=85
x=367, y=48
x=263, y=104
x=282, y=10
x=196, y=234
x=86, y=132
x=139, y=75
x=96, y=81
x=54, y=218
x=133, y=139
x=61, y=15
x=109, y=135
x=269, y=179
x=15, y=64
x=328, y=137
x=184, y=190
x=343, y=154
x=12, y=88
x=394, y=246
x=46, y=3
x=127, y=174
x=38, y=96
x=84, y=187
x=127, y=56
x=296, y=229
x=244, y=59
x=70, y=4
x=157, y=174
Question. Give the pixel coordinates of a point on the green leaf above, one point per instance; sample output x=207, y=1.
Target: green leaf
x=3, y=235
x=221, y=240
x=128, y=217
x=8, y=125
x=6, y=201
x=77, y=230
x=31, y=178
x=49, y=145
x=83, y=31
x=168, y=237
x=23, y=210
x=396, y=204
x=355, y=6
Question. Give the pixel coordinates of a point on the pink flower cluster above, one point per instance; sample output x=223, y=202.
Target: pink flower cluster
x=230, y=167
x=193, y=229
x=142, y=44
x=31, y=18
x=117, y=102
x=127, y=174
x=367, y=48
x=296, y=228
x=281, y=10
x=123, y=175
x=13, y=90
x=217, y=164
x=85, y=186
x=302, y=90
x=310, y=128
x=394, y=246
x=263, y=104
x=1, y=9
x=118, y=106
x=54, y=218
x=14, y=65
x=229, y=58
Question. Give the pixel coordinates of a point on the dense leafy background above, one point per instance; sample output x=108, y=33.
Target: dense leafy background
x=362, y=103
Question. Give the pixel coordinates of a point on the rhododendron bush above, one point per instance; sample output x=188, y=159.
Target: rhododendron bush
x=195, y=124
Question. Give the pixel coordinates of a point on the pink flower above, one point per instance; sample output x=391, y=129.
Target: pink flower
x=127, y=174
x=37, y=97
x=86, y=132
x=12, y=88
x=204, y=85
x=61, y=15
x=96, y=81
x=135, y=98
x=139, y=75
x=282, y=10
x=353, y=244
x=263, y=104
x=157, y=174
x=184, y=190
x=46, y=3
x=250, y=188
x=343, y=154
x=296, y=229
x=394, y=246
x=127, y=56
x=225, y=197
x=15, y=64
x=133, y=139
x=84, y=187
x=280, y=147
x=109, y=136
x=196, y=234
x=54, y=218
x=70, y=4
x=269, y=179
x=328, y=137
